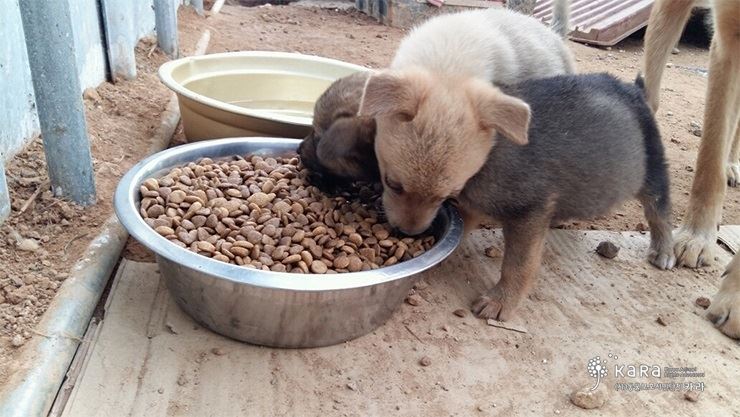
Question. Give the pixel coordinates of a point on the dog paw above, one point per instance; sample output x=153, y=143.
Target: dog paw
x=662, y=259
x=724, y=313
x=693, y=250
x=733, y=174
x=495, y=305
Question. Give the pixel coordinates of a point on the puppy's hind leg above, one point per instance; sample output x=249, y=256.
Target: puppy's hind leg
x=524, y=239
x=658, y=213
x=725, y=309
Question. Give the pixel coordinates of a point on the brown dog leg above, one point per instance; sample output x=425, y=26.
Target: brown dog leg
x=697, y=236
x=524, y=240
x=733, y=162
x=725, y=309
x=667, y=20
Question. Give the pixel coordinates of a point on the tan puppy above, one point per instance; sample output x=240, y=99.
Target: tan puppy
x=717, y=162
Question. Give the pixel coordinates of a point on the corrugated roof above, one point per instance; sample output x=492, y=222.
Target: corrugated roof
x=600, y=22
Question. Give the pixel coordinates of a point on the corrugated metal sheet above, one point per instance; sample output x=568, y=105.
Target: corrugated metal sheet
x=601, y=22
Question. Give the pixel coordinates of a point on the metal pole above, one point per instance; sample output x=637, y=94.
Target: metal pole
x=4, y=194
x=165, y=15
x=51, y=55
x=198, y=6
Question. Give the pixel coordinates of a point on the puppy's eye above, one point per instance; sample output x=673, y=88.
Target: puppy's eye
x=395, y=186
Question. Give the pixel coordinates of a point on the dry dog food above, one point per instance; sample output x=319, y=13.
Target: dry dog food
x=262, y=213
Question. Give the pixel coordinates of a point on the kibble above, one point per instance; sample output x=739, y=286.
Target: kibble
x=261, y=213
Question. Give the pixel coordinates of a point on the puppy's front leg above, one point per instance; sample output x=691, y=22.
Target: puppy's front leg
x=524, y=239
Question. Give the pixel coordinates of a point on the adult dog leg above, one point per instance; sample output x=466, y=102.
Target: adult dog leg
x=733, y=162
x=696, y=238
x=667, y=20
x=725, y=309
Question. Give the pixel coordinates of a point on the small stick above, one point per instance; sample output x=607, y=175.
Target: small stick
x=506, y=326
x=72, y=240
x=151, y=51
x=413, y=334
x=33, y=197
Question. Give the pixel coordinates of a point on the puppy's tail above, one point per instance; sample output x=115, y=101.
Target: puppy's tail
x=561, y=17
x=640, y=82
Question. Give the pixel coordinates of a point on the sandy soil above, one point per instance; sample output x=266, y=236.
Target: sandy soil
x=122, y=118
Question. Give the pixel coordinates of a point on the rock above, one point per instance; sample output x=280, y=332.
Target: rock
x=703, y=302
x=28, y=245
x=695, y=128
x=92, y=95
x=17, y=341
x=352, y=385
x=607, y=249
x=660, y=320
x=460, y=312
x=587, y=399
x=669, y=65
x=675, y=51
x=182, y=380
x=425, y=361
x=218, y=351
x=493, y=252
x=691, y=396
x=414, y=299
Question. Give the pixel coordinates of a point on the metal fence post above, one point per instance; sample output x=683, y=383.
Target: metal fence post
x=4, y=194
x=165, y=15
x=198, y=6
x=51, y=55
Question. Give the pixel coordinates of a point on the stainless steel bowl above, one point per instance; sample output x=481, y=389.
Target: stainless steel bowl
x=272, y=308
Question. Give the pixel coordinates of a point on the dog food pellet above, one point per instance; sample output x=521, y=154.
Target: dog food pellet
x=607, y=249
x=703, y=302
x=493, y=252
x=460, y=312
x=261, y=213
x=425, y=361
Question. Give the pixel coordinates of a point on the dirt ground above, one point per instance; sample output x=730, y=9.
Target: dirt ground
x=121, y=119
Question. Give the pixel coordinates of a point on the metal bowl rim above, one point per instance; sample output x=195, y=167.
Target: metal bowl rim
x=129, y=216
x=166, y=69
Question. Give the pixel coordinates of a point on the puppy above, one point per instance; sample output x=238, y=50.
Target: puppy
x=717, y=162
x=340, y=149
x=496, y=45
x=591, y=144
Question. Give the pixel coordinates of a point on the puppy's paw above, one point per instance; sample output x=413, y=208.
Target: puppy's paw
x=733, y=174
x=693, y=250
x=495, y=305
x=662, y=258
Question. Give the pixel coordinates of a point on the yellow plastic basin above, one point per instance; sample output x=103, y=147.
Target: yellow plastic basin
x=254, y=93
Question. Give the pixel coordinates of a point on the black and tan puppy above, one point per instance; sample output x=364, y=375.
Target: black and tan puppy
x=590, y=144
x=340, y=149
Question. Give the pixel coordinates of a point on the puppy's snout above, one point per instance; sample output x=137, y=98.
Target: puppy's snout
x=407, y=215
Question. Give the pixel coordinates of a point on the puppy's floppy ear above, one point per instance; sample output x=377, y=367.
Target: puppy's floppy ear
x=506, y=114
x=346, y=137
x=393, y=92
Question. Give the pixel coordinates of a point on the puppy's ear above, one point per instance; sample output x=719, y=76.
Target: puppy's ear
x=346, y=137
x=506, y=114
x=387, y=93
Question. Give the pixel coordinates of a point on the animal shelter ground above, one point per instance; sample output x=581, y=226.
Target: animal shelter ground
x=122, y=117
x=432, y=357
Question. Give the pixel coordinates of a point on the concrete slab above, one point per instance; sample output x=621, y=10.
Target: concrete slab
x=150, y=359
